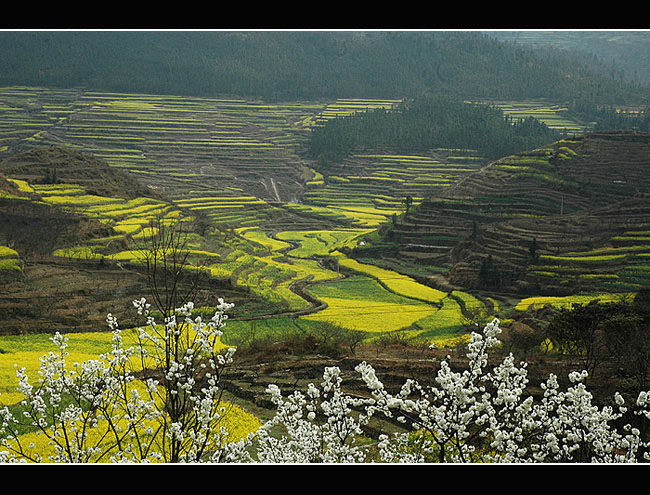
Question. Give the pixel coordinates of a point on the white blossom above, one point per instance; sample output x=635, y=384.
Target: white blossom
x=483, y=413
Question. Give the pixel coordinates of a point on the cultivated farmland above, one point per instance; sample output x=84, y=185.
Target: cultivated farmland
x=287, y=238
x=550, y=114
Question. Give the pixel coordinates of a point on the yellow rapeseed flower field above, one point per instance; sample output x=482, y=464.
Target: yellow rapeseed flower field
x=567, y=301
x=396, y=282
x=236, y=421
x=371, y=316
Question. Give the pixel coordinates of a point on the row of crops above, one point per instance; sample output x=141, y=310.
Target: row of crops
x=548, y=113
x=373, y=188
x=233, y=161
x=270, y=265
x=625, y=266
x=127, y=217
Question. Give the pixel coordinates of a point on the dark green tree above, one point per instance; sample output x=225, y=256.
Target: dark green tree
x=408, y=202
x=628, y=339
x=487, y=272
x=577, y=331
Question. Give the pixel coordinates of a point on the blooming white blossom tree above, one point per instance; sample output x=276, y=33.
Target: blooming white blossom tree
x=158, y=400
x=477, y=415
x=320, y=425
x=483, y=413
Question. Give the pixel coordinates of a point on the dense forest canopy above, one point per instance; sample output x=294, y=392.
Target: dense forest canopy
x=624, y=51
x=428, y=122
x=290, y=65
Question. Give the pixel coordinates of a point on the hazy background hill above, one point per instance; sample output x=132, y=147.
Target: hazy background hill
x=624, y=51
x=312, y=65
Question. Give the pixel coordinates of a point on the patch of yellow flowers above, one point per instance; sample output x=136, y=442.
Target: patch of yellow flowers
x=238, y=423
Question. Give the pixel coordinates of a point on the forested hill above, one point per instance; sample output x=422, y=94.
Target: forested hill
x=426, y=122
x=625, y=50
x=306, y=65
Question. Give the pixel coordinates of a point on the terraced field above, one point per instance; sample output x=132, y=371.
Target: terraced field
x=548, y=113
x=276, y=227
x=582, y=202
x=373, y=187
x=270, y=266
x=378, y=301
x=294, y=248
x=172, y=143
x=246, y=265
x=568, y=301
x=10, y=264
x=130, y=218
x=621, y=264
x=176, y=143
x=348, y=106
x=310, y=243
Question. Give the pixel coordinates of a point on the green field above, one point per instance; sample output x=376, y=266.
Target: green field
x=271, y=220
x=360, y=303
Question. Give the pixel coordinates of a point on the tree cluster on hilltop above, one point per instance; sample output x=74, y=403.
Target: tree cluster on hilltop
x=304, y=65
x=428, y=122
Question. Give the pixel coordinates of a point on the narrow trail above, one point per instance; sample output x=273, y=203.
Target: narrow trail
x=275, y=190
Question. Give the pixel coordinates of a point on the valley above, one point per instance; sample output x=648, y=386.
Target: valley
x=268, y=217
x=312, y=246
x=293, y=248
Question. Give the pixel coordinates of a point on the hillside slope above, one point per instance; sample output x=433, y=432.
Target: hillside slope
x=571, y=216
x=62, y=164
x=51, y=279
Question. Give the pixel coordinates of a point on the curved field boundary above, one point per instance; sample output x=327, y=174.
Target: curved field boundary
x=395, y=282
